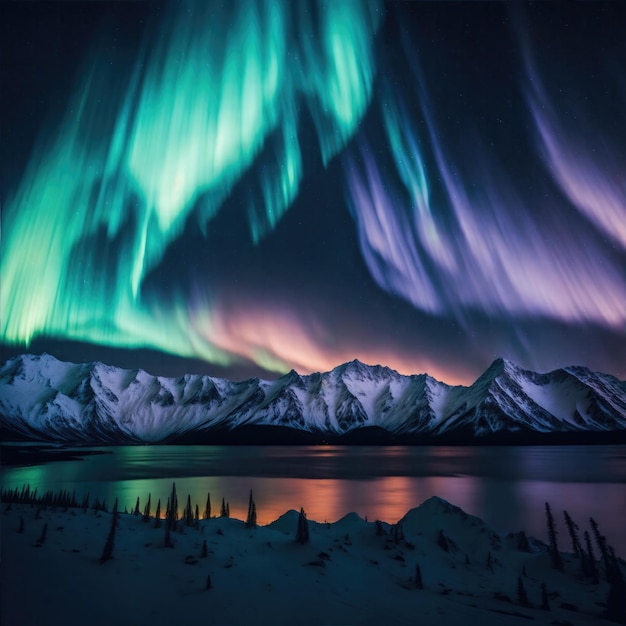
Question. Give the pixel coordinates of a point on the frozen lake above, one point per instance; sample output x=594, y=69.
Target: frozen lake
x=505, y=486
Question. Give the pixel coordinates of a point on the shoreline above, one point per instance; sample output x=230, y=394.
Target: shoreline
x=27, y=455
x=349, y=572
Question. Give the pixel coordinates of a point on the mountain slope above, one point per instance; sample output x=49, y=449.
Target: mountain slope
x=95, y=403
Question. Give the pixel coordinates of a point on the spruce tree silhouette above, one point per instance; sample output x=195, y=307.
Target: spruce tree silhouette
x=107, y=552
x=557, y=562
x=302, y=534
x=251, y=519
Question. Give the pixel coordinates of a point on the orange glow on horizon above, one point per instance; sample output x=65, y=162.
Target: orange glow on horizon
x=279, y=340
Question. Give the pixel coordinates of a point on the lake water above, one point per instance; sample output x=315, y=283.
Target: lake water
x=505, y=486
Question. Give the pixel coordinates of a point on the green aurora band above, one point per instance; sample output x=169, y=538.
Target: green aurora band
x=106, y=193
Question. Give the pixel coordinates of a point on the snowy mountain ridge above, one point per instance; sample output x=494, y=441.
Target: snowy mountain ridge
x=42, y=397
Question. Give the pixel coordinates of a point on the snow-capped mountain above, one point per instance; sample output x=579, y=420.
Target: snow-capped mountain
x=41, y=397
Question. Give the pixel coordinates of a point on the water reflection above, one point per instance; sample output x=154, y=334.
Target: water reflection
x=506, y=486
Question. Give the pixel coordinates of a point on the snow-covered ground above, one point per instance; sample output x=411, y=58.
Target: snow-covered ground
x=346, y=574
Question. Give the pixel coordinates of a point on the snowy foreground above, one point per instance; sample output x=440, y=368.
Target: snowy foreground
x=345, y=574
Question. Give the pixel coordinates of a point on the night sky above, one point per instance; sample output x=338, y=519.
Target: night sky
x=245, y=188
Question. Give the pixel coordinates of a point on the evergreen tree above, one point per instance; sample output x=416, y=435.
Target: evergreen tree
x=205, y=550
x=545, y=605
x=615, y=604
x=572, y=529
x=146, y=510
x=188, y=512
x=207, y=508
x=522, y=596
x=442, y=542
x=557, y=562
x=302, y=534
x=251, y=519
x=228, y=509
x=172, y=514
x=522, y=542
x=208, y=584
x=157, y=516
x=591, y=561
x=168, y=530
x=223, y=510
x=419, y=584
x=107, y=552
x=136, y=511
x=602, y=546
x=380, y=531
x=397, y=533
x=196, y=517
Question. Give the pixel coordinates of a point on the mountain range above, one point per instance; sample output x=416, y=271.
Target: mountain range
x=42, y=398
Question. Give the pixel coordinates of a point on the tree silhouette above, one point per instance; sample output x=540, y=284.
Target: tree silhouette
x=442, y=541
x=419, y=584
x=251, y=519
x=188, y=512
x=302, y=533
x=590, y=561
x=172, y=510
x=602, y=546
x=522, y=596
x=157, y=515
x=107, y=552
x=615, y=604
x=146, y=510
x=207, y=508
x=572, y=529
x=557, y=562
x=168, y=515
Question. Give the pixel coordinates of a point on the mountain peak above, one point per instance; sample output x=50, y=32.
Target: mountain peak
x=500, y=366
x=39, y=394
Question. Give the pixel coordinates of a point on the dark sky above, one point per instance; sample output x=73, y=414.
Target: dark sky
x=244, y=188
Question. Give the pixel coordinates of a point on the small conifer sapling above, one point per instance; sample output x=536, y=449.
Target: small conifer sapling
x=302, y=533
x=107, y=552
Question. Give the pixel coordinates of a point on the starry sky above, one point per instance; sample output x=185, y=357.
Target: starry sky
x=244, y=188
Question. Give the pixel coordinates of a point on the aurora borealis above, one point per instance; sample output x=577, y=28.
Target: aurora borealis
x=266, y=185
